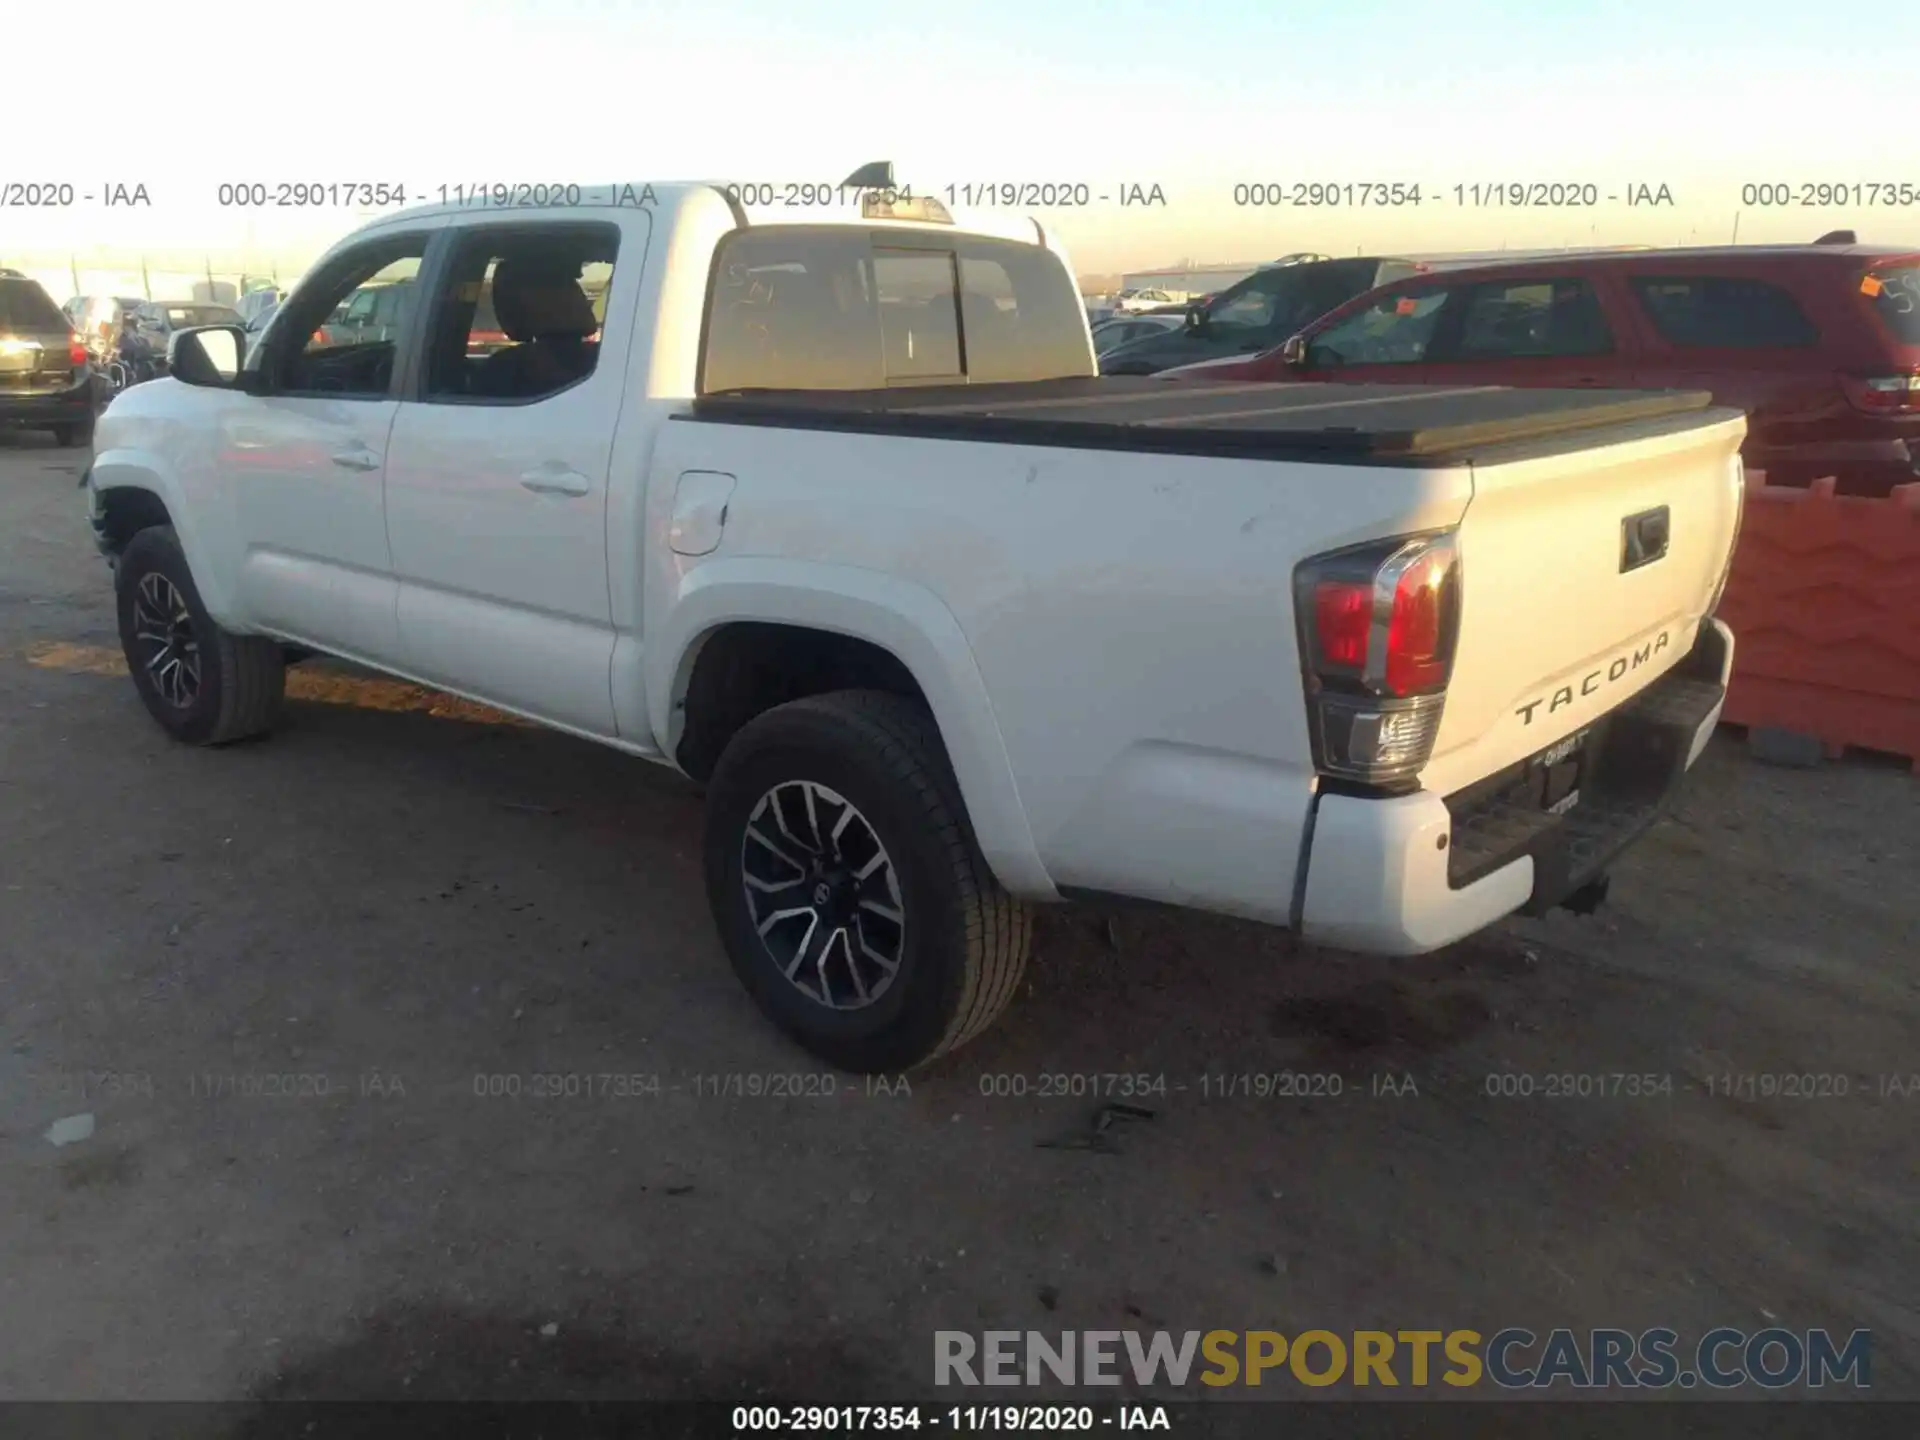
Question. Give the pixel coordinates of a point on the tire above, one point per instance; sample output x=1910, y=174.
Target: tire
x=240, y=680
x=961, y=947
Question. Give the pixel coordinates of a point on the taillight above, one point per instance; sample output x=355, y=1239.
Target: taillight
x=319, y=337
x=1883, y=394
x=76, y=351
x=1378, y=627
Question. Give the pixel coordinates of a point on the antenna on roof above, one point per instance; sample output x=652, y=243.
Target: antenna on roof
x=875, y=176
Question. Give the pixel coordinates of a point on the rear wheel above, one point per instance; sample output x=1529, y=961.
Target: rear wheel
x=847, y=886
x=204, y=685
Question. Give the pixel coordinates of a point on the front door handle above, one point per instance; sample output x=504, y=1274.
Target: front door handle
x=556, y=481
x=357, y=457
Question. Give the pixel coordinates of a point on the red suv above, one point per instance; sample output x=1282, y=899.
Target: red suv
x=1819, y=344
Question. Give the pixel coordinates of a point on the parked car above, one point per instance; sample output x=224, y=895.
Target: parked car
x=1819, y=344
x=1131, y=302
x=1122, y=329
x=46, y=382
x=101, y=321
x=1256, y=313
x=847, y=529
x=158, y=321
x=256, y=307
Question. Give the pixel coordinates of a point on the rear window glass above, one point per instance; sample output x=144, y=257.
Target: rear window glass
x=25, y=306
x=1898, y=302
x=1719, y=312
x=801, y=309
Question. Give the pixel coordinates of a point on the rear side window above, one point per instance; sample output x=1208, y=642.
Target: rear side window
x=1897, y=302
x=793, y=308
x=1536, y=319
x=25, y=306
x=1719, y=312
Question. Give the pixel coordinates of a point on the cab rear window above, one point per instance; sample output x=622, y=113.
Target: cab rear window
x=1896, y=300
x=798, y=308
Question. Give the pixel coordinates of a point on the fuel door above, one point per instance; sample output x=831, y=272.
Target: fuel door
x=700, y=511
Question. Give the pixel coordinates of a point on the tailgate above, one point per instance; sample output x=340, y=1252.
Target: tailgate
x=1586, y=569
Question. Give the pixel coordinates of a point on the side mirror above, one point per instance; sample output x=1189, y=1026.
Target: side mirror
x=1293, y=354
x=207, y=355
x=1197, y=318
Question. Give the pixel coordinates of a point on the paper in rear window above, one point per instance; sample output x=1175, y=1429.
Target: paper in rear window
x=1897, y=301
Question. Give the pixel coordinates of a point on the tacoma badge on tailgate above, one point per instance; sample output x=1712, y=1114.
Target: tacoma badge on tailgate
x=1592, y=681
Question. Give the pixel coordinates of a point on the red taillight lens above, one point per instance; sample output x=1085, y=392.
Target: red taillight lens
x=76, y=352
x=1342, y=621
x=1417, y=641
x=1883, y=394
x=1378, y=626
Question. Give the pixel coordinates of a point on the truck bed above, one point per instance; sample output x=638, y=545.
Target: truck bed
x=1404, y=425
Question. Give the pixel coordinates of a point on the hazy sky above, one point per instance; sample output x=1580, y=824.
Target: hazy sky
x=1196, y=97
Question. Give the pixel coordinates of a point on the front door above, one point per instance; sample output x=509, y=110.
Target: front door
x=497, y=472
x=1546, y=333
x=307, y=458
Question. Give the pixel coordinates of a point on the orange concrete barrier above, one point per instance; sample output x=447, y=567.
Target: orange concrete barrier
x=1824, y=601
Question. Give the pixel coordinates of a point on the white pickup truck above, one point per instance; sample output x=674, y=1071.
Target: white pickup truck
x=837, y=519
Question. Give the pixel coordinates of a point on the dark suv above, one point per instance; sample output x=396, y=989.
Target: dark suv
x=1257, y=313
x=45, y=380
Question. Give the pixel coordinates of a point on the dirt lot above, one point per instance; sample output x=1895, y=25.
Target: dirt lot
x=399, y=904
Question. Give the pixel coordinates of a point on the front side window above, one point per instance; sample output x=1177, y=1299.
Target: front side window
x=1538, y=319
x=1723, y=312
x=315, y=352
x=1246, y=311
x=516, y=320
x=1396, y=329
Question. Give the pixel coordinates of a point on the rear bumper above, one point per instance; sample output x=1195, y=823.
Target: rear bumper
x=1862, y=467
x=72, y=406
x=1407, y=875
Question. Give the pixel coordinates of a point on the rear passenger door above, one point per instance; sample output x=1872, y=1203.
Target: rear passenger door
x=498, y=467
x=1546, y=332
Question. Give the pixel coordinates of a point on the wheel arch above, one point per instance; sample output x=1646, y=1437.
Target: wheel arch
x=884, y=616
x=134, y=491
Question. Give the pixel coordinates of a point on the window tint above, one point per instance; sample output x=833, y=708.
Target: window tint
x=1897, y=302
x=1393, y=330
x=516, y=321
x=1723, y=312
x=1247, y=309
x=1530, y=318
x=1021, y=313
x=919, y=319
x=805, y=309
x=334, y=358
x=25, y=306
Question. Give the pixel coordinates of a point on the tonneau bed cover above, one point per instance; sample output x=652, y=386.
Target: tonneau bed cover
x=1362, y=424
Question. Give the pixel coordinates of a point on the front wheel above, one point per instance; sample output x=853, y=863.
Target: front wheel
x=204, y=685
x=848, y=889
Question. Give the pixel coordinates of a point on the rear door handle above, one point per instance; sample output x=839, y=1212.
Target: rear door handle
x=553, y=480
x=357, y=457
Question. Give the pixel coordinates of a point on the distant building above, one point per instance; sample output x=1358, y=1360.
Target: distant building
x=1199, y=280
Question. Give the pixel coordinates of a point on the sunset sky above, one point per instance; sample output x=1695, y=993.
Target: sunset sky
x=1701, y=97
